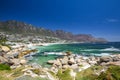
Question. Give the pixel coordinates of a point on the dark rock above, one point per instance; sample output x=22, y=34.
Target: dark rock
x=105, y=59
x=71, y=61
x=16, y=55
x=116, y=58
x=10, y=62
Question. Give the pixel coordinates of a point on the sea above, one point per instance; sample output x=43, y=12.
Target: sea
x=51, y=52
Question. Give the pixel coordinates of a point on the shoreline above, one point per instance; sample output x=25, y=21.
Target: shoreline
x=68, y=61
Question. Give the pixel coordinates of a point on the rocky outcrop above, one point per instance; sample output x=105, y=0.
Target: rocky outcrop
x=75, y=62
x=110, y=60
x=14, y=58
x=26, y=52
x=106, y=59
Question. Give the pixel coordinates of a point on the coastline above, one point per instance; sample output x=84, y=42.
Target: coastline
x=68, y=61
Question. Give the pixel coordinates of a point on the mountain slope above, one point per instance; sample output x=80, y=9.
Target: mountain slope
x=16, y=27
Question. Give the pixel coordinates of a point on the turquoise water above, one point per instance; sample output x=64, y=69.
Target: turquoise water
x=82, y=49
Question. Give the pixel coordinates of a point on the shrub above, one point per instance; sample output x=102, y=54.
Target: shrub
x=4, y=67
x=88, y=74
x=113, y=73
x=64, y=75
x=36, y=71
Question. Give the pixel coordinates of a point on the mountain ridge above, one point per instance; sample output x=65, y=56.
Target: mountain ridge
x=13, y=26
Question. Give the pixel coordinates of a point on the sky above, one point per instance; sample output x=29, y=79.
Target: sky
x=101, y=18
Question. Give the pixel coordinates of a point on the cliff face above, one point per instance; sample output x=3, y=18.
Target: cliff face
x=16, y=27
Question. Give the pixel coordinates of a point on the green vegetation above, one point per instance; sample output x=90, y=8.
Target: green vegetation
x=3, y=39
x=23, y=78
x=53, y=74
x=68, y=53
x=89, y=74
x=113, y=73
x=17, y=72
x=64, y=75
x=92, y=73
x=38, y=71
x=3, y=78
x=4, y=67
x=26, y=52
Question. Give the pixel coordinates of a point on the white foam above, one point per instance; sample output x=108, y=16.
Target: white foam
x=90, y=50
x=102, y=54
x=53, y=53
x=110, y=49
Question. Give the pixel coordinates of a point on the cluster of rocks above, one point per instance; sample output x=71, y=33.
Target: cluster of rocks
x=79, y=63
x=13, y=57
x=35, y=70
x=110, y=60
x=75, y=62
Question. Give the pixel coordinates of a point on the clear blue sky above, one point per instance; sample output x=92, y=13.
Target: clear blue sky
x=101, y=18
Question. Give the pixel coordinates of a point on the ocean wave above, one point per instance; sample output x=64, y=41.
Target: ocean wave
x=96, y=54
x=90, y=50
x=54, y=53
x=102, y=54
x=110, y=49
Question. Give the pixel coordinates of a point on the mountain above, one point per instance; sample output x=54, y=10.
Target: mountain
x=16, y=27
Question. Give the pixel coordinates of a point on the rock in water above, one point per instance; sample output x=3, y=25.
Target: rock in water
x=51, y=62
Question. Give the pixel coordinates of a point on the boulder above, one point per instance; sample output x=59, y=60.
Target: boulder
x=13, y=67
x=64, y=61
x=65, y=66
x=92, y=62
x=23, y=61
x=51, y=62
x=92, y=58
x=114, y=63
x=105, y=59
x=71, y=61
x=8, y=56
x=116, y=58
x=79, y=64
x=15, y=55
x=15, y=61
x=5, y=48
x=68, y=53
x=103, y=64
x=57, y=63
x=2, y=53
x=74, y=66
x=53, y=69
x=78, y=60
x=3, y=60
x=35, y=65
x=10, y=62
